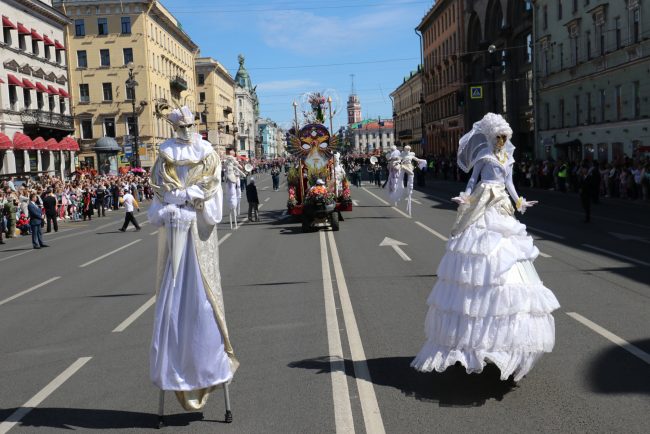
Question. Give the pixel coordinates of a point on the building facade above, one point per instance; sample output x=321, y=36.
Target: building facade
x=354, y=108
x=591, y=66
x=35, y=111
x=443, y=76
x=246, y=113
x=408, y=100
x=216, y=101
x=108, y=41
x=268, y=133
x=498, y=53
x=371, y=136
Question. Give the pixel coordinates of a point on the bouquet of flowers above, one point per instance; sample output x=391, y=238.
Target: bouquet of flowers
x=320, y=193
x=292, y=202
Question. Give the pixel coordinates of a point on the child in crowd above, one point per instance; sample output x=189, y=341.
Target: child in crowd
x=23, y=224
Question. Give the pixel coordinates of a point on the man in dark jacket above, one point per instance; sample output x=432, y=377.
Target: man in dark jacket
x=253, y=201
x=100, y=200
x=35, y=222
x=49, y=203
x=585, y=186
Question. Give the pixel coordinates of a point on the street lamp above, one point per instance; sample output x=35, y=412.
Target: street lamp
x=492, y=49
x=204, y=118
x=131, y=84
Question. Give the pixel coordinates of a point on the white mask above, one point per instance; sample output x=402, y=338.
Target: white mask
x=184, y=132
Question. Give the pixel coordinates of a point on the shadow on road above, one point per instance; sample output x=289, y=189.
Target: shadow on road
x=614, y=370
x=452, y=388
x=134, y=294
x=70, y=418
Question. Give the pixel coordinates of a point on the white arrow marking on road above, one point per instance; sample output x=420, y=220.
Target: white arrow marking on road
x=627, y=237
x=416, y=201
x=355, y=202
x=395, y=245
x=267, y=199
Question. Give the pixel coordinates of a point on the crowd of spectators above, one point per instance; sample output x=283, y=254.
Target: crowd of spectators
x=79, y=198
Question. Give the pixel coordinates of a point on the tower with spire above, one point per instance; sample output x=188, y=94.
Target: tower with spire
x=354, y=105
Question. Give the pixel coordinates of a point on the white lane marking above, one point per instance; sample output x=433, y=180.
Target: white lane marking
x=110, y=253
x=368, y=399
x=135, y=315
x=544, y=255
x=224, y=238
x=611, y=337
x=267, y=199
x=389, y=242
x=340, y=392
x=375, y=196
x=416, y=201
x=618, y=255
x=28, y=290
x=153, y=233
x=434, y=232
x=261, y=205
x=17, y=254
x=355, y=202
x=21, y=412
x=401, y=212
x=550, y=234
x=265, y=188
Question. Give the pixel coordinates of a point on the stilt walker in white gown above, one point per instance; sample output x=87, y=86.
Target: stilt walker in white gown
x=488, y=304
x=394, y=182
x=191, y=352
x=408, y=158
x=233, y=189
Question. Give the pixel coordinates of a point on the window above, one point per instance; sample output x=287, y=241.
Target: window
x=574, y=50
x=637, y=99
x=559, y=9
x=618, y=102
x=104, y=57
x=57, y=56
x=13, y=98
x=84, y=93
x=201, y=79
x=82, y=59
x=109, y=127
x=62, y=107
x=201, y=96
x=128, y=55
x=600, y=35
x=561, y=113
x=131, y=125
x=545, y=17
x=86, y=128
x=126, y=25
x=21, y=42
x=575, y=6
x=588, y=42
x=6, y=34
x=35, y=46
x=102, y=26
x=636, y=26
x=547, y=115
x=46, y=49
x=107, y=90
x=27, y=97
x=602, y=105
x=561, y=49
x=617, y=29
x=130, y=92
x=588, y=117
x=577, y=109
x=51, y=103
x=80, y=27
x=529, y=48
x=39, y=100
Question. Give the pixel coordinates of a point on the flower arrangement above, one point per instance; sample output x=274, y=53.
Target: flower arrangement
x=320, y=193
x=292, y=202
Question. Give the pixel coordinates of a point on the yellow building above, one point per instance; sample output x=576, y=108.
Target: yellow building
x=107, y=41
x=216, y=99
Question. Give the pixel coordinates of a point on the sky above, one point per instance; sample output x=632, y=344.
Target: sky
x=297, y=46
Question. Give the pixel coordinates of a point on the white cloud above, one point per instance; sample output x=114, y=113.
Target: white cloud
x=307, y=33
x=286, y=85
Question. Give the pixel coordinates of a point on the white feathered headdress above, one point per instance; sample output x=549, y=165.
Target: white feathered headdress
x=181, y=117
x=479, y=142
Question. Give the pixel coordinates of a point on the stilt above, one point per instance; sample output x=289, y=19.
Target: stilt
x=161, y=409
x=226, y=395
x=408, y=205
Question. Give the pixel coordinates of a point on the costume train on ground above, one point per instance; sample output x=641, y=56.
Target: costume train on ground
x=488, y=304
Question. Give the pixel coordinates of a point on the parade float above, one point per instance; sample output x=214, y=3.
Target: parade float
x=318, y=188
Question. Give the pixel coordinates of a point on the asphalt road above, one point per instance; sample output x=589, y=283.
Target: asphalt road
x=325, y=325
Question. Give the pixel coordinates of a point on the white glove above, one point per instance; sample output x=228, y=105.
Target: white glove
x=461, y=199
x=523, y=204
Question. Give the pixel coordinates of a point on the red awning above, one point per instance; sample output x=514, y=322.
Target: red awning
x=5, y=141
x=22, y=30
x=28, y=84
x=22, y=141
x=52, y=90
x=40, y=87
x=36, y=36
x=39, y=143
x=48, y=41
x=13, y=81
x=63, y=93
x=71, y=144
x=58, y=45
x=52, y=145
x=7, y=23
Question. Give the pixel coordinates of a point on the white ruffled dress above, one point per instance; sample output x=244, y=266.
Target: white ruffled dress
x=488, y=304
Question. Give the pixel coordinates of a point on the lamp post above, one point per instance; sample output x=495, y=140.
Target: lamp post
x=131, y=84
x=492, y=49
x=204, y=118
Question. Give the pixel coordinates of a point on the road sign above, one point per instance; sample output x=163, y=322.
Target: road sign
x=476, y=92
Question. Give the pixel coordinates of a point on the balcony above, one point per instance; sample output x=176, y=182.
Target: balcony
x=178, y=83
x=405, y=134
x=43, y=119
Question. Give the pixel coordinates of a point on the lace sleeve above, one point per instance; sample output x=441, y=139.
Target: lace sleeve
x=476, y=172
x=510, y=186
